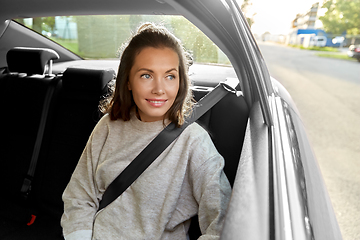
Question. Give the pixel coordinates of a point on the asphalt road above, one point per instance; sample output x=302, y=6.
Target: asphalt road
x=327, y=94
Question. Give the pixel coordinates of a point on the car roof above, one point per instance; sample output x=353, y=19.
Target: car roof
x=39, y=8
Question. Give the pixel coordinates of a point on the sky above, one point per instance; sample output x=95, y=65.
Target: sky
x=276, y=16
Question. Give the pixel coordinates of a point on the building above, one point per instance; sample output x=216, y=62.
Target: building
x=308, y=20
x=307, y=30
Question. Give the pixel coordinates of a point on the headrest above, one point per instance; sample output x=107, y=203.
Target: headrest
x=87, y=80
x=30, y=60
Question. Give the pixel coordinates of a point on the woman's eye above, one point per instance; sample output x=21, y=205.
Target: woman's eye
x=146, y=76
x=171, y=77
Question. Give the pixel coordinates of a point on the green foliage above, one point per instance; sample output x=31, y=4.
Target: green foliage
x=48, y=24
x=341, y=15
x=44, y=24
x=102, y=36
x=323, y=49
x=315, y=48
x=245, y=5
x=202, y=48
x=40, y=24
x=72, y=45
x=337, y=56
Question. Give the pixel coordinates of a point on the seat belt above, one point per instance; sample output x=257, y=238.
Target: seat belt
x=26, y=187
x=162, y=141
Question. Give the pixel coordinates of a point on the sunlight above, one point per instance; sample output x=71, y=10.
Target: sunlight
x=276, y=16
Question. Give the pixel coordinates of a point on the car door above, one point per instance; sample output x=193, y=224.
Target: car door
x=279, y=192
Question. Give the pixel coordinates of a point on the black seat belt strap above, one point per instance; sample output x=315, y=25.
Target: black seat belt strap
x=26, y=187
x=161, y=142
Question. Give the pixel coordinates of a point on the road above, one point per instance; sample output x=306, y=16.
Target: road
x=327, y=94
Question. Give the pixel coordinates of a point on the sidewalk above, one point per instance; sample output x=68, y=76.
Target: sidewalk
x=344, y=49
x=340, y=54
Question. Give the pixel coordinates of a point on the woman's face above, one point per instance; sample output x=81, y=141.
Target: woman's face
x=154, y=82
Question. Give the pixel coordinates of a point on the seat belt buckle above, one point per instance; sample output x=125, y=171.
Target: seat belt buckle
x=230, y=84
x=26, y=187
x=32, y=220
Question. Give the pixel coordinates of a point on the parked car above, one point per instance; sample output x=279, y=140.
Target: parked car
x=278, y=191
x=318, y=41
x=354, y=52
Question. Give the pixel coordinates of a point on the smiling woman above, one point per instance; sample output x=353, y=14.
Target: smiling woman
x=154, y=82
x=153, y=75
x=153, y=66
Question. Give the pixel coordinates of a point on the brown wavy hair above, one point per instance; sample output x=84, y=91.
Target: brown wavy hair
x=120, y=102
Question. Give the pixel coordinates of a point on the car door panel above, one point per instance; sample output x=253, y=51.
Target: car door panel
x=249, y=207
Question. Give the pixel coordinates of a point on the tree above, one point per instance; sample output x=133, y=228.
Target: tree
x=43, y=24
x=96, y=41
x=203, y=49
x=341, y=16
x=245, y=8
x=37, y=24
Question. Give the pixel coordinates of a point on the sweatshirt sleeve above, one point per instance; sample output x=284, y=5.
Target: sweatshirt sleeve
x=211, y=189
x=81, y=194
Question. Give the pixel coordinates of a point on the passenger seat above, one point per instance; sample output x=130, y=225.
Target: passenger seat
x=72, y=116
x=23, y=88
x=75, y=115
x=226, y=124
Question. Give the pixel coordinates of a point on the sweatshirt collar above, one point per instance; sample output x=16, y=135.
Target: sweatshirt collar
x=147, y=127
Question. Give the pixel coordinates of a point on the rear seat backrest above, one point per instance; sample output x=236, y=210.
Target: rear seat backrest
x=23, y=91
x=226, y=123
x=74, y=116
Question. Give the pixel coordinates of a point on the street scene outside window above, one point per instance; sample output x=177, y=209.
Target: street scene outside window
x=313, y=48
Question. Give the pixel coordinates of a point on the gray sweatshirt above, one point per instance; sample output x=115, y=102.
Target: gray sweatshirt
x=185, y=180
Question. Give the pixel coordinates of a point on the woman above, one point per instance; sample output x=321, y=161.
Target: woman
x=152, y=89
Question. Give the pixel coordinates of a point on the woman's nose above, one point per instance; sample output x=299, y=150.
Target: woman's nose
x=158, y=87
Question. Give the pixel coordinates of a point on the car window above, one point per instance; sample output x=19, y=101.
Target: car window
x=100, y=37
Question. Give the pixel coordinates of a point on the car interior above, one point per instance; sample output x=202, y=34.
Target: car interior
x=51, y=94
x=49, y=117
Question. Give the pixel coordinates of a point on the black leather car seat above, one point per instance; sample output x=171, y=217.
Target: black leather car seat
x=23, y=89
x=72, y=116
x=226, y=124
x=75, y=114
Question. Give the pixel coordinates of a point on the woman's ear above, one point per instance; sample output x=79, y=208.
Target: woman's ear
x=128, y=85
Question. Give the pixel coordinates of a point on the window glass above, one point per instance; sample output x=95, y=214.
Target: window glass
x=97, y=37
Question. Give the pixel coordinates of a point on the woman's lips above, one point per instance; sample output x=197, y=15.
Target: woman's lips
x=156, y=102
